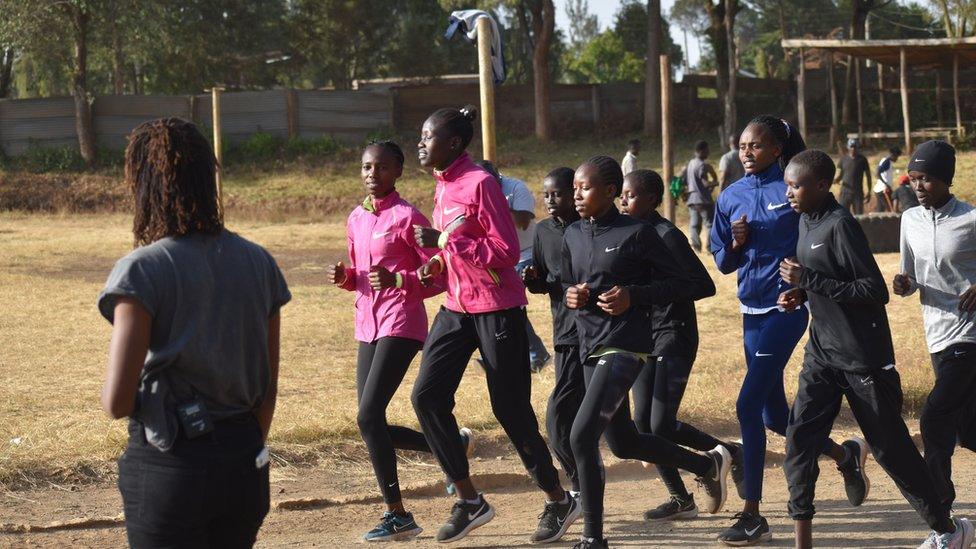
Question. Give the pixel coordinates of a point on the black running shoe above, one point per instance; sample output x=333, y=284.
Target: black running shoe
x=673, y=509
x=715, y=486
x=748, y=529
x=856, y=482
x=394, y=527
x=592, y=543
x=555, y=519
x=738, y=469
x=464, y=518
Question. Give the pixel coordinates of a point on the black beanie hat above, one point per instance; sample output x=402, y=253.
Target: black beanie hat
x=934, y=158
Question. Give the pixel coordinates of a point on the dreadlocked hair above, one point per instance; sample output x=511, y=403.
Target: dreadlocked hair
x=171, y=171
x=562, y=177
x=457, y=122
x=608, y=170
x=390, y=147
x=787, y=135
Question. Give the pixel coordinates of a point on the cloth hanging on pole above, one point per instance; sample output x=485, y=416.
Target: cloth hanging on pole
x=464, y=21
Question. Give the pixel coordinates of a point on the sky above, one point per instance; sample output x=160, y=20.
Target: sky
x=605, y=9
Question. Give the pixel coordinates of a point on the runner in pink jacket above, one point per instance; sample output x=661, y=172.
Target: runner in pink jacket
x=484, y=311
x=391, y=322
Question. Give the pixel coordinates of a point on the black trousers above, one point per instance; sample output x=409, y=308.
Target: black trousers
x=380, y=368
x=501, y=338
x=205, y=492
x=606, y=411
x=564, y=403
x=947, y=416
x=876, y=400
x=657, y=396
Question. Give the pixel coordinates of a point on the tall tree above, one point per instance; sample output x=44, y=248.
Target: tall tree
x=956, y=16
x=652, y=77
x=6, y=69
x=859, y=16
x=583, y=25
x=543, y=25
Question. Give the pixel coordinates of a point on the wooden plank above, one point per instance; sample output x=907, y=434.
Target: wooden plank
x=955, y=93
x=904, y=102
x=801, y=97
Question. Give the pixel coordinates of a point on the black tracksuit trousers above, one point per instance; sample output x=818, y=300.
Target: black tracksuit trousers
x=501, y=338
x=875, y=399
x=606, y=411
x=564, y=403
x=380, y=368
x=657, y=396
x=947, y=416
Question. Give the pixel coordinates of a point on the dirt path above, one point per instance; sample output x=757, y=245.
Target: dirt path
x=332, y=505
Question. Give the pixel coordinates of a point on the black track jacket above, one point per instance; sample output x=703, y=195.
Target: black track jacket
x=846, y=292
x=618, y=250
x=547, y=257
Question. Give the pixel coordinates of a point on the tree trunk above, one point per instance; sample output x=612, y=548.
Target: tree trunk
x=718, y=39
x=79, y=87
x=652, y=75
x=118, y=60
x=543, y=21
x=731, y=113
x=6, y=71
x=859, y=17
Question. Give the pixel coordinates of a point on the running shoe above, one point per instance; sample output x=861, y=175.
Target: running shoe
x=464, y=518
x=555, y=519
x=748, y=529
x=715, y=485
x=738, y=468
x=962, y=538
x=467, y=439
x=673, y=509
x=856, y=482
x=394, y=527
x=538, y=364
x=592, y=543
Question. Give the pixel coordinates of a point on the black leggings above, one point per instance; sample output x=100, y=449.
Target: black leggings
x=380, y=368
x=606, y=411
x=657, y=395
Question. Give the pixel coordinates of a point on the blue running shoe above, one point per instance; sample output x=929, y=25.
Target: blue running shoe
x=394, y=527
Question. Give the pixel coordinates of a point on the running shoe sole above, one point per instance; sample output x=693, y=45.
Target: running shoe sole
x=723, y=478
x=399, y=536
x=480, y=521
x=864, y=457
x=573, y=517
x=763, y=538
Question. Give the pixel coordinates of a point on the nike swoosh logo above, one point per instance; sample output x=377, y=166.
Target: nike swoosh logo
x=761, y=355
x=608, y=250
x=772, y=206
x=750, y=533
x=866, y=380
x=959, y=353
x=472, y=516
x=380, y=235
x=815, y=246
x=449, y=211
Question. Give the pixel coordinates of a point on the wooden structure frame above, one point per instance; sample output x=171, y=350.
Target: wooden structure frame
x=929, y=53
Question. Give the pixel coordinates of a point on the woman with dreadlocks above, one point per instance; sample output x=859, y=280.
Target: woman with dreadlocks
x=755, y=229
x=391, y=322
x=193, y=361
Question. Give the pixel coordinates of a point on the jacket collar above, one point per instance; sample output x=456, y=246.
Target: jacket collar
x=828, y=205
x=946, y=209
x=604, y=220
x=376, y=205
x=773, y=173
x=460, y=165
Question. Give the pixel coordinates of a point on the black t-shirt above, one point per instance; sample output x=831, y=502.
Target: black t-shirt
x=852, y=173
x=905, y=196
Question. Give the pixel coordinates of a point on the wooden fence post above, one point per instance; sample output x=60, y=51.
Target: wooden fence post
x=666, y=153
x=595, y=102
x=904, y=102
x=487, y=86
x=801, y=97
x=215, y=98
x=291, y=111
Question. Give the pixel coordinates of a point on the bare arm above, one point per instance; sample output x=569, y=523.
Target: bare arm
x=131, y=331
x=265, y=411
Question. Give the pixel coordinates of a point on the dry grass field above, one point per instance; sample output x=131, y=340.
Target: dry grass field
x=53, y=342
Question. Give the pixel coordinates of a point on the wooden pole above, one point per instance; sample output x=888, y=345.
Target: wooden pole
x=938, y=96
x=215, y=95
x=666, y=152
x=801, y=96
x=834, y=122
x=595, y=104
x=881, y=96
x=291, y=112
x=487, y=82
x=857, y=93
x=955, y=93
x=904, y=101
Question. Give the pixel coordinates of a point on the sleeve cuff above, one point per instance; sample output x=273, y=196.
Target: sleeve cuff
x=442, y=239
x=399, y=280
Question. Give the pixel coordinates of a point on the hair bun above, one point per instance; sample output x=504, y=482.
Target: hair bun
x=470, y=112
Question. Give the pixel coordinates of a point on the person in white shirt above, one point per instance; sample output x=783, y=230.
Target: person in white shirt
x=629, y=162
x=882, y=187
